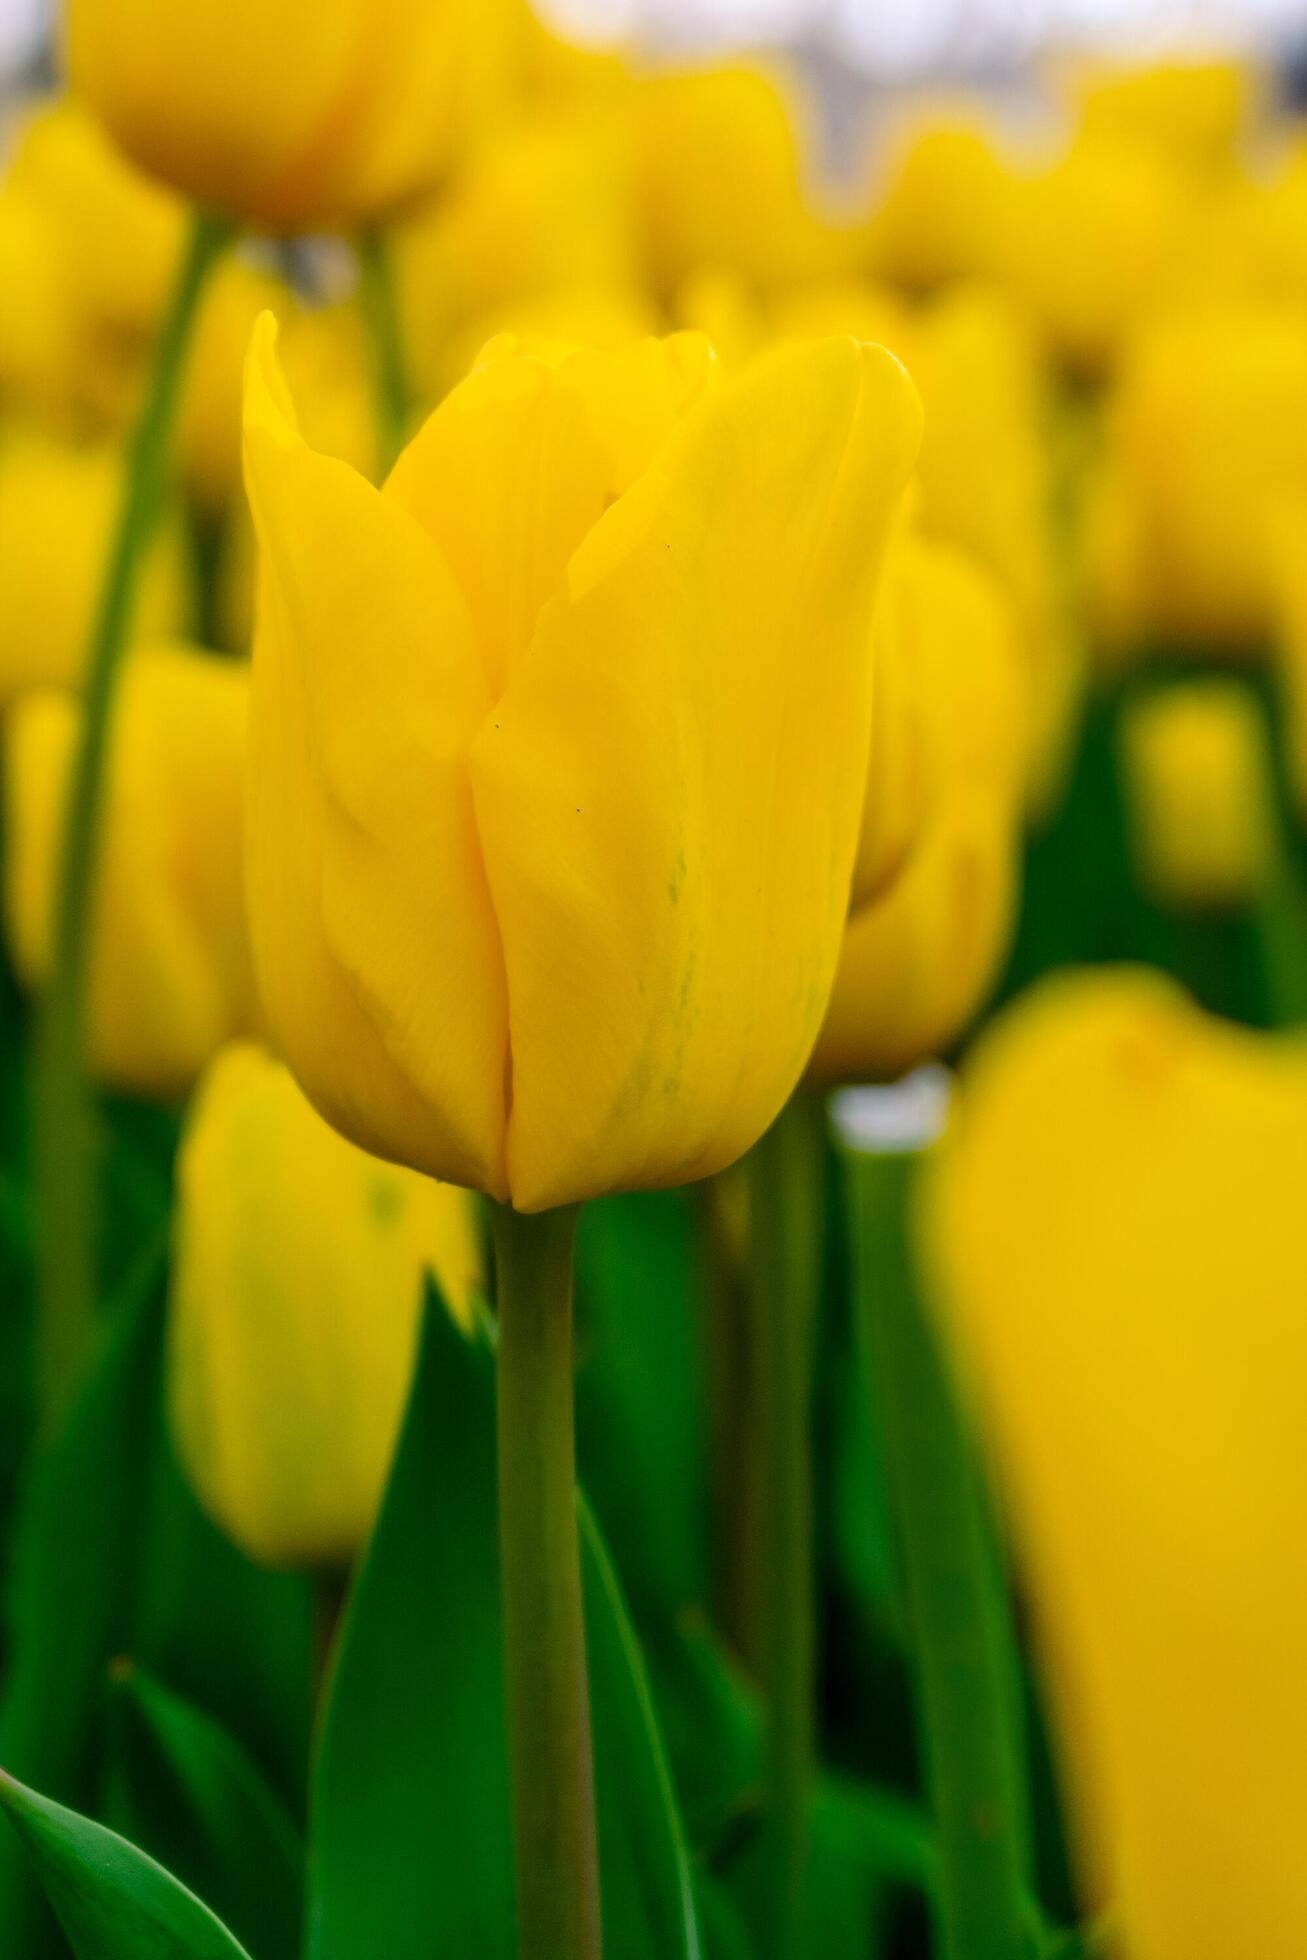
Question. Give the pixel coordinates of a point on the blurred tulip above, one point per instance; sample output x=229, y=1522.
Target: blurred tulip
x=94, y=246
x=1094, y=237
x=944, y=208
x=1198, y=787
x=720, y=163
x=57, y=508
x=935, y=880
x=1118, y=1227
x=169, y=969
x=1194, y=109
x=1207, y=437
x=590, y=692
x=296, y=1296
x=284, y=119
x=546, y=212
x=986, y=483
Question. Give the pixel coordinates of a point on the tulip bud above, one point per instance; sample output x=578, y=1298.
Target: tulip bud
x=935, y=878
x=285, y=118
x=296, y=1293
x=1118, y=1233
x=559, y=748
x=58, y=505
x=169, y=964
x=1197, y=779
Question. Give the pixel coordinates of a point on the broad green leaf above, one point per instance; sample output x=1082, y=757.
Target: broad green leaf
x=411, y=1851
x=114, y=1557
x=112, y=1901
x=186, y=1792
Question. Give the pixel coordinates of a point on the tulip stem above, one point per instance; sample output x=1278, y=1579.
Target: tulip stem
x=967, y=1684
x=786, y=1202
x=392, y=387
x=64, y=1146
x=544, y=1629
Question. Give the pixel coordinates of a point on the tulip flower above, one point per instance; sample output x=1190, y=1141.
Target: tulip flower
x=572, y=794
x=1207, y=438
x=1196, y=110
x=296, y=1295
x=90, y=247
x=279, y=118
x=169, y=964
x=1119, y=1237
x=943, y=210
x=935, y=880
x=57, y=505
x=1198, y=782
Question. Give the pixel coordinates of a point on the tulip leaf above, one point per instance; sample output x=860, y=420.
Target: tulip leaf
x=412, y=1846
x=186, y=1792
x=112, y=1557
x=112, y=1901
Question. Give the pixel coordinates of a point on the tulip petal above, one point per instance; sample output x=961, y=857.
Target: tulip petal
x=669, y=791
x=375, y=944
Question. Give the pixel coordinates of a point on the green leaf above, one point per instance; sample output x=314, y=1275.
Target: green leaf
x=113, y=1557
x=412, y=1843
x=112, y=1901
x=186, y=1792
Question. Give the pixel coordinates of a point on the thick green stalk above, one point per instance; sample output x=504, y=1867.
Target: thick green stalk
x=544, y=1629
x=391, y=383
x=964, y=1653
x=64, y=1115
x=786, y=1203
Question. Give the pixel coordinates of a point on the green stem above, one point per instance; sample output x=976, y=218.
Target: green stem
x=1280, y=921
x=392, y=385
x=64, y=1117
x=964, y=1651
x=786, y=1179
x=544, y=1628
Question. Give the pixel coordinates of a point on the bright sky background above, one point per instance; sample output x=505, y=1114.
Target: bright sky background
x=887, y=37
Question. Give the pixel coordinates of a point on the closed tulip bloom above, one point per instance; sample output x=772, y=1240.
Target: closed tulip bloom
x=1118, y=1226
x=1196, y=110
x=296, y=1295
x=559, y=744
x=58, y=503
x=284, y=117
x=169, y=966
x=1198, y=785
x=942, y=210
x=935, y=881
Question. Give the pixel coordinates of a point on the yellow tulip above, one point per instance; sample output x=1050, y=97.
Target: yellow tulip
x=942, y=211
x=1118, y=1226
x=722, y=179
x=58, y=504
x=986, y=484
x=559, y=744
x=546, y=212
x=296, y=1295
x=1197, y=110
x=169, y=967
x=1093, y=240
x=284, y=117
x=935, y=880
x=101, y=244
x=1207, y=437
x=1198, y=786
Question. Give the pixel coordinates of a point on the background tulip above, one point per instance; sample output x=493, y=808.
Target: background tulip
x=296, y=1296
x=283, y=117
x=169, y=961
x=935, y=881
x=57, y=504
x=584, y=769
x=1198, y=779
x=1118, y=1225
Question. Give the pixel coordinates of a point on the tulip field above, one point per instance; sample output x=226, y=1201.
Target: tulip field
x=653, y=977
